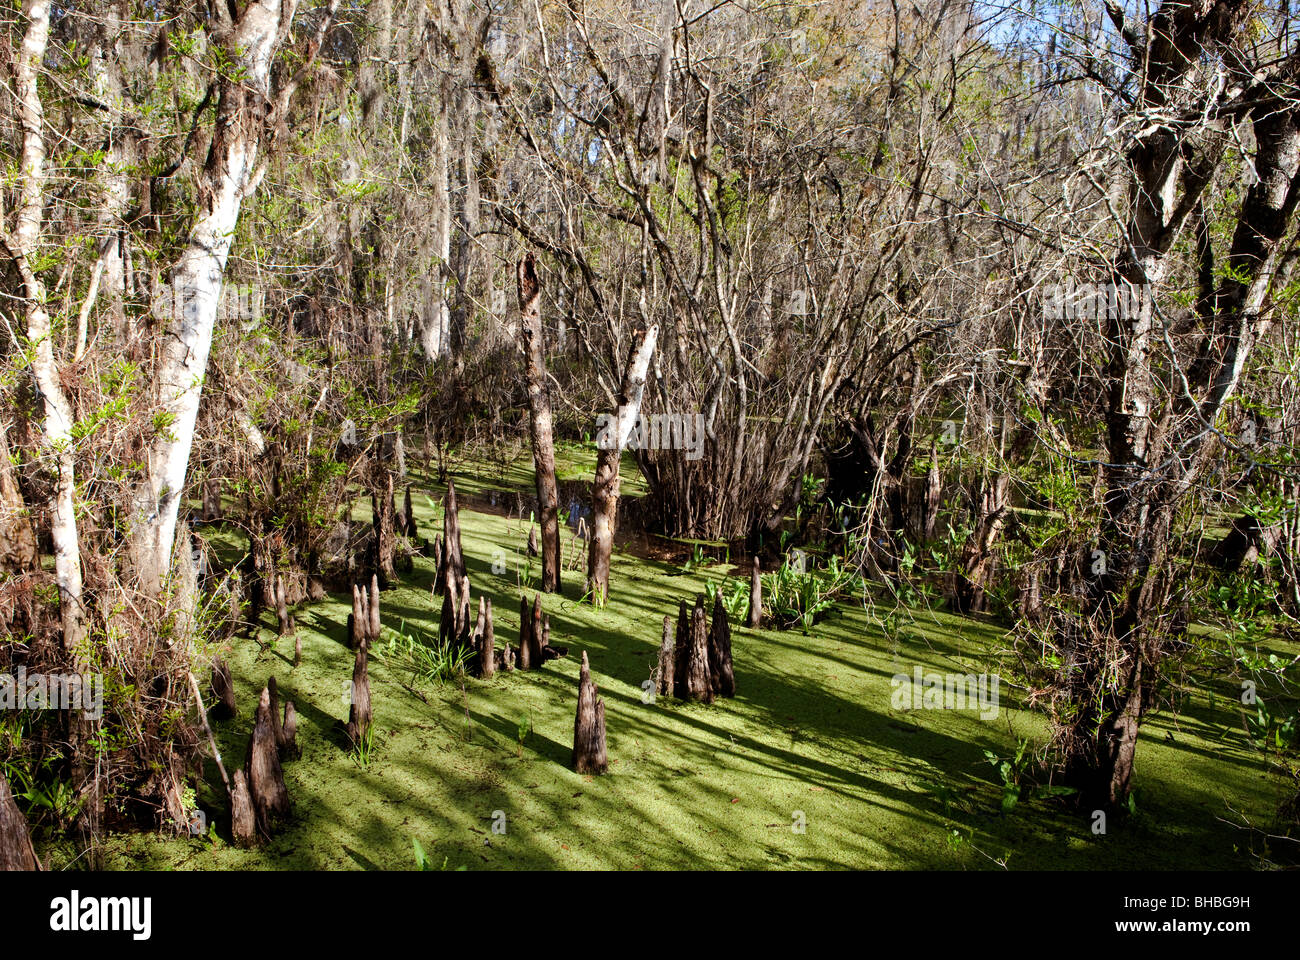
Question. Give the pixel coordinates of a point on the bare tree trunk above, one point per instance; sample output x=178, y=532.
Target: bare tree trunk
x=56, y=412
x=611, y=440
x=230, y=174
x=18, y=551
x=539, y=419
x=755, y=597
x=16, y=852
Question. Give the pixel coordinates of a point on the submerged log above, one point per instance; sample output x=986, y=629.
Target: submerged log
x=721, y=676
x=589, y=726
x=223, y=689
x=755, y=597
x=243, y=821
x=664, y=672
x=16, y=851
x=266, y=786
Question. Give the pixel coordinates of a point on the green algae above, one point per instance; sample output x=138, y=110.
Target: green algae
x=811, y=739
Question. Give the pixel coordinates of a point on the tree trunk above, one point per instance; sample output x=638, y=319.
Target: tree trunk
x=18, y=552
x=16, y=852
x=57, y=418
x=230, y=174
x=612, y=436
x=755, y=597
x=539, y=419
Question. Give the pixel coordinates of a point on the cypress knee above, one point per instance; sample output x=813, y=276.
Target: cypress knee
x=589, y=726
x=243, y=822
x=681, y=652
x=265, y=777
x=223, y=707
x=664, y=673
x=486, y=640
x=359, y=713
x=698, y=685
x=721, y=675
x=525, y=634
x=289, y=734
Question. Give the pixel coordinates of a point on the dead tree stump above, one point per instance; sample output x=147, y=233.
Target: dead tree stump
x=243, y=821
x=532, y=541
x=266, y=787
x=755, y=597
x=223, y=689
x=16, y=851
x=664, y=672
x=589, y=726
x=721, y=675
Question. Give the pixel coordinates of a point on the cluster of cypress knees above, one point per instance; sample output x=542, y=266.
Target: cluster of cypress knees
x=694, y=664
